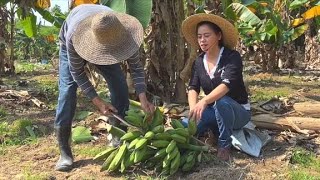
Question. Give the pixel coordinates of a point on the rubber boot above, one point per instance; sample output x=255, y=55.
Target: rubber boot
x=66, y=159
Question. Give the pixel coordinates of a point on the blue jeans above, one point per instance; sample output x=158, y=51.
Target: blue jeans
x=222, y=118
x=67, y=100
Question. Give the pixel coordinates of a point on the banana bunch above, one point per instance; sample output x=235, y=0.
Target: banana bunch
x=151, y=145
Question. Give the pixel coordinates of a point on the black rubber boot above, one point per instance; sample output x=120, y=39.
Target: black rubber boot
x=66, y=159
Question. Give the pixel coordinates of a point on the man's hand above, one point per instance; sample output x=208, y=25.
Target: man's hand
x=145, y=104
x=197, y=110
x=105, y=108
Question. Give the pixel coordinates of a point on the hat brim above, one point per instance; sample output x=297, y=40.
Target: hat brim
x=91, y=50
x=230, y=34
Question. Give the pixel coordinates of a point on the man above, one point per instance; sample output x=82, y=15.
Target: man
x=98, y=35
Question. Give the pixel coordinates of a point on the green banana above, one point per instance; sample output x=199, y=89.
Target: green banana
x=188, y=165
x=104, y=154
x=171, y=146
x=141, y=143
x=182, y=132
x=118, y=158
x=115, y=131
x=183, y=158
x=149, y=135
x=130, y=160
x=191, y=156
x=166, y=163
x=135, y=121
x=157, y=118
x=108, y=161
x=137, y=113
x=139, y=154
x=160, y=154
x=133, y=143
x=175, y=163
x=193, y=147
x=173, y=154
x=131, y=135
x=162, y=136
x=178, y=138
x=176, y=124
x=158, y=129
x=159, y=143
x=192, y=127
x=124, y=164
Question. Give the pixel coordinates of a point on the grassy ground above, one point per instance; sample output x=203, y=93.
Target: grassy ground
x=31, y=154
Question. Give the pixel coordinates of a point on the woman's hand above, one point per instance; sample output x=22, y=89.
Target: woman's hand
x=105, y=108
x=197, y=110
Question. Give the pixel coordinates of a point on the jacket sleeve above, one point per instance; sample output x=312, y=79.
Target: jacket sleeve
x=76, y=66
x=137, y=73
x=194, y=83
x=232, y=72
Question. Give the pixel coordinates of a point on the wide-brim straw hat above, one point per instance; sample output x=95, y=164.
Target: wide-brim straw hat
x=230, y=34
x=108, y=37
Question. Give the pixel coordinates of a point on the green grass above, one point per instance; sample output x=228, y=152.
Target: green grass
x=264, y=87
x=305, y=165
x=3, y=112
x=16, y=133
x=28, y=174
x=27, y=67
x=88, y=150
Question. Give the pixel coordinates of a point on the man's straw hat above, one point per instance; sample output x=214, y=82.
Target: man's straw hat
x=229, y=32
x=108, y=37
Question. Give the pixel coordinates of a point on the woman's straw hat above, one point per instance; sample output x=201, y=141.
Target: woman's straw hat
x=107, y=38
x=229, y=32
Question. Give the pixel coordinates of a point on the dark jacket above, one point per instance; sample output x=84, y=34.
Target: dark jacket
x=228, y=72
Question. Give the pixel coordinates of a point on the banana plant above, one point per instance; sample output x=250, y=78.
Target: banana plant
x=258, y=22
x=141, y=9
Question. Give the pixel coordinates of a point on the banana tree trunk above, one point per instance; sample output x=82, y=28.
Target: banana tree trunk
x=312, y=46
x=3, y=39
x=166, y=51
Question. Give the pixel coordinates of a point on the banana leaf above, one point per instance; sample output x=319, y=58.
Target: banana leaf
x=141, y=9
x=29, y=25
x=244, y=14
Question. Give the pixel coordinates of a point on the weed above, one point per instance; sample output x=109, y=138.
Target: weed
x=3, y=112
x=27, y=67
x=302, y=157
x=89, y=151
x=17, y=133
x=307, y=166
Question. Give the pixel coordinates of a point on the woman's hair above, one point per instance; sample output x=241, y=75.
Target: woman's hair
x=216, y=29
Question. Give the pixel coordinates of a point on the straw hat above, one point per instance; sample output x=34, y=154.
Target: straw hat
x=229, y=32
x=107, y=38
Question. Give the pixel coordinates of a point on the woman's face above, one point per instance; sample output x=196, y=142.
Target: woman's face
x=207, y=38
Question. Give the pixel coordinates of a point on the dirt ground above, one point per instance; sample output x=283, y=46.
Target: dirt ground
x=37, y=161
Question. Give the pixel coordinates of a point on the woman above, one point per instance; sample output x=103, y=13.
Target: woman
x=218, y=71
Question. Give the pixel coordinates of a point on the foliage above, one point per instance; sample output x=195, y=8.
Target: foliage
x=141, y=9
x=3, y=112
x=258, y=22
x=81, y=134
x=27, y=67
x=17, y=133
x=306, y=165
x=302, y=157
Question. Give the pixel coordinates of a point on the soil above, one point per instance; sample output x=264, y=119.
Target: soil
x=37, y=160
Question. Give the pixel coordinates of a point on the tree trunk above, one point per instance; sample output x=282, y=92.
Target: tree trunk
x=309, y=109
x=3, y=38
x=166, y=51
x=312, y=46
x=298, y=124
